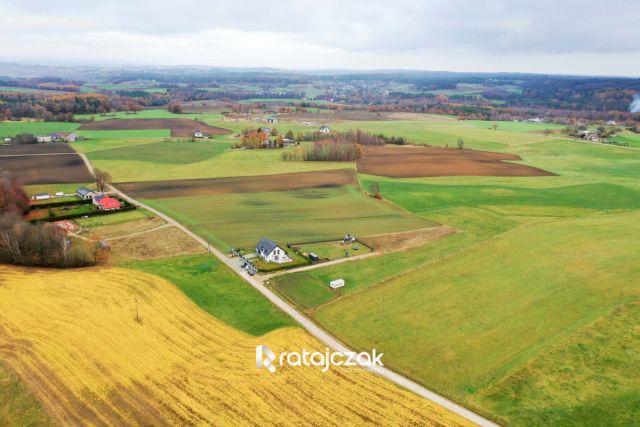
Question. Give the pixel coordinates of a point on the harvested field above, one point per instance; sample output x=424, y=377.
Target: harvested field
x=406, y=240
x=417, y=161
x=179, y=127
x=234, y=185
x=74, y=338
x=47, y=169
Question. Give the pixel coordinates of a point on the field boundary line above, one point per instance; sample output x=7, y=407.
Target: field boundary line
x=313, y=329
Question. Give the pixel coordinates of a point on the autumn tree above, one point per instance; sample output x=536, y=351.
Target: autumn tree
x=103, y=179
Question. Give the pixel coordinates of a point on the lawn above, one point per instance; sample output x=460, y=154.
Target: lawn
x=116, y=218
x=240, y=220
x=335, y=249
x=218, y=291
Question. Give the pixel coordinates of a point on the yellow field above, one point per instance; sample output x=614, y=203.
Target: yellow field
x=73, y=338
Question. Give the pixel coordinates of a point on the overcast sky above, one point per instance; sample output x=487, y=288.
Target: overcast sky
x=547, y=36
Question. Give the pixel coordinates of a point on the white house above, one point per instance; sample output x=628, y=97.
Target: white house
x=198, y=134
x=272, y=120
x=44, y=138
x=335, y=284
x=269, y=251
x=325, y=129
x=85, y=193
x=611, y=123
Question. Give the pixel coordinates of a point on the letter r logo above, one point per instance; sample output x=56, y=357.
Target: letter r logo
x=264, y=357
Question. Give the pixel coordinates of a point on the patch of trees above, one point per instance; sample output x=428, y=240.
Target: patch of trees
x=325, y=151
x=52, y=108
x=25, y=138
x=42, y=245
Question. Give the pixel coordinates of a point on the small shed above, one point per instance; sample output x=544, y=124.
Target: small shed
x=314, y=257
x=41, y=196
x=335, y=284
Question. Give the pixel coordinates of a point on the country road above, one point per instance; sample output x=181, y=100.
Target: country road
x=313, y=329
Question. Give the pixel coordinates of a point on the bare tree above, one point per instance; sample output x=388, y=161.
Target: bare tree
x=103, y=179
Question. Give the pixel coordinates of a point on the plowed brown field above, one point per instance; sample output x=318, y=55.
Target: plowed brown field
x=179, y=127
x=47, y=169
x=417, y=161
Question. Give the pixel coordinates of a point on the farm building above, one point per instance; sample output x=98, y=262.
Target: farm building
x=63, y=137
x=325, y=129
x=269, y=251
x=44, y=138
x=272, y=120
x=84, y=193
x=588, y=135
x=611, y=123
x=106, y=203
x=198, y=134
x=41, y=196
x=265, y=130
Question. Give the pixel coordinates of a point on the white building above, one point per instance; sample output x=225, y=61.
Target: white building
x=325, y=129
x=269, y=251
x=335, y=284
x=44, y=138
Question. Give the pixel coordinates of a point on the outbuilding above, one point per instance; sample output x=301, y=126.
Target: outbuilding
x=335, y=284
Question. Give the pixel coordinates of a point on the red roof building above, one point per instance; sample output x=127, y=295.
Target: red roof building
x=107, y=203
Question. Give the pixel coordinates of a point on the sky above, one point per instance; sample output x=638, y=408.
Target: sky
x=580, y=37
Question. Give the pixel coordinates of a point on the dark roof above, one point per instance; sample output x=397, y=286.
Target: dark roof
x=266, y=246
x=83, y=191
x=98, y=197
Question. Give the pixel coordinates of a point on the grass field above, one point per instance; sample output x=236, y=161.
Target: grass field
x=241, y=220
x=496, y=294
x=10, y=129
x=512, y=315
x=133, y=133
x=219, y=292
x=150, y=356
x=159, y=160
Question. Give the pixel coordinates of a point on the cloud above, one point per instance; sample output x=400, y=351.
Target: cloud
x=329, y=34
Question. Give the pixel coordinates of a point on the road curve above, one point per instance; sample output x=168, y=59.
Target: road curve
x=305, y=322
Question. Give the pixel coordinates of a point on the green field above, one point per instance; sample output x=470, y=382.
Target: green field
x=149, y=160
x=218, y=291
x=133, y=133
x=511, y=316
x=487, y=311
x=10, y=129
x=240, y=220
